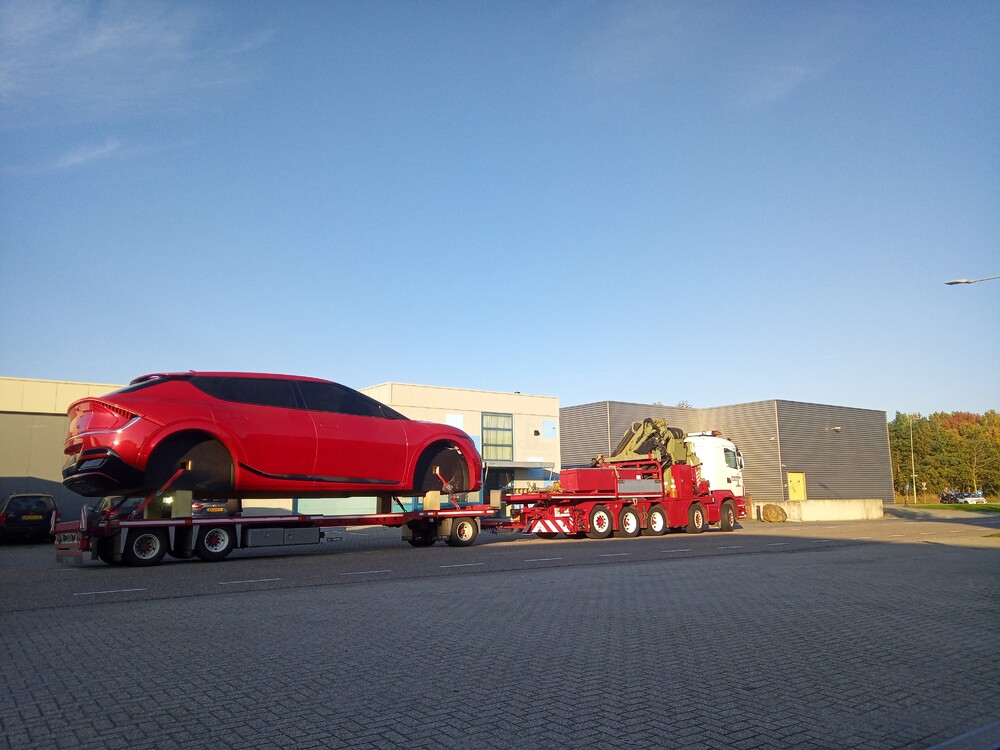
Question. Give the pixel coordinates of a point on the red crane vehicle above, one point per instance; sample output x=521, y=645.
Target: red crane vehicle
x=658, y=479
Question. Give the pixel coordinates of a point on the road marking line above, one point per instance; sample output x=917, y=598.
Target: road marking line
x=895, y=535
x=778, y=544
x=461, y=565
x=856, y=538
x=112, y=591
x=543, y=559
x=617, y=554
x=675, y=550
x=364, y=572
x=252, y=580
x=817, y=541
x=734, y=546
x=955, y=531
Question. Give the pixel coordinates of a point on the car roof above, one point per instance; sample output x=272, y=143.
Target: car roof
x=203, y=374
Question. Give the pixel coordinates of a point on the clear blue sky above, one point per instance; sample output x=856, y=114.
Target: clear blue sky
x=715, y=202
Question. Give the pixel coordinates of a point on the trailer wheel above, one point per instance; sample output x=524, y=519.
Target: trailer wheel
x=696, y=518
x=727, y=522
x=145, y=547
x=463, y=532
x=546, y=534
x=422, y=536
x=215, y=542
x=600, y=523
x=657, y=522
x=106, y=550
x=628, y=523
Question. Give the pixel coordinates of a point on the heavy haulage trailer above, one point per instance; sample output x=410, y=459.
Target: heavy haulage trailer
x=142, y=532
x=658, y=479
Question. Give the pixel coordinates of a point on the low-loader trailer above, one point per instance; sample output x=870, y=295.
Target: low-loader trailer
x=142, y=532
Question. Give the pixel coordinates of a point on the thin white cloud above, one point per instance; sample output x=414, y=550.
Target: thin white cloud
x=749, y=55
x=87, y=154
x=77, y=157
x=77, y=61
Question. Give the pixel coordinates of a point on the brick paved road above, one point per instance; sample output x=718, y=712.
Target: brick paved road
x=888, y=645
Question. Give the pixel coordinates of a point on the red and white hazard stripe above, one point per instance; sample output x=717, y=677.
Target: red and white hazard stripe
x=552, y=526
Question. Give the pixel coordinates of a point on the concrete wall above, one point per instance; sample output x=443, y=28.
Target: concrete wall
x=822, y=510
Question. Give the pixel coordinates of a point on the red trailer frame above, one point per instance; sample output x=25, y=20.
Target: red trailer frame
x=142, y=541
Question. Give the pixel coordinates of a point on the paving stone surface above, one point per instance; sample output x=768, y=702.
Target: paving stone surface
x=862, y=646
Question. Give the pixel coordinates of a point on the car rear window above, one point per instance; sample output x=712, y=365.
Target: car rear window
x=29, y=504
x=259, y=391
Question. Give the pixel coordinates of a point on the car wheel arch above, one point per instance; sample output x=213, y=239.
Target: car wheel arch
x=428, y=453
x=181, y=441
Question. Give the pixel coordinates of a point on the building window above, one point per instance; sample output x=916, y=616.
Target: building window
x=498, y=437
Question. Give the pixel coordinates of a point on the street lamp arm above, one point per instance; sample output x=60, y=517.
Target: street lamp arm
x=970, y=281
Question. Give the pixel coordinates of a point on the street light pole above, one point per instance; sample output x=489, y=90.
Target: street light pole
x=913, y=465
x=970, y=281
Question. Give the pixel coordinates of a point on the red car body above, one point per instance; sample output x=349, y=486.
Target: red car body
x=258, y=435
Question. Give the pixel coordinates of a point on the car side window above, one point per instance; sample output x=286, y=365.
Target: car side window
x=259, y=391
x=332, y=397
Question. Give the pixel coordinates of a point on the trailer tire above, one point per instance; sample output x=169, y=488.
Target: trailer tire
x=422, y=536
x=546, y=534
x=106, y=550
x=463, y=532
x=656, y=523
x=145, y=547
x=727, y=519
x=628, y=523
x=600, y=522
x=696, y=518
x=215, y=542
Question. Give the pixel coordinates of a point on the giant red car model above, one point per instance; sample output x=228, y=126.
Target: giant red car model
x=255, y=435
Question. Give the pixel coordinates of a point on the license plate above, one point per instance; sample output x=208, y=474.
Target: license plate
x=32, y=517
x=214, y=509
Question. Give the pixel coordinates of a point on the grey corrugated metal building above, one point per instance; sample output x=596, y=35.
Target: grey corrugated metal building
x=792, y=450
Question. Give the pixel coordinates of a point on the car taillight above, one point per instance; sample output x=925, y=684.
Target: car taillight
x=92, y=414
x=3, y=519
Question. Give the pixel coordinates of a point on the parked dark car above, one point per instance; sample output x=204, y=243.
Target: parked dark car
x=28, y=516
x=256, y=435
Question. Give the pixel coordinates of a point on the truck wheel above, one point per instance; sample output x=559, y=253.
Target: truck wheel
x=215, y=542
x=696, y=518
x=727, y=521
x=628, y=523
x=463, y=532
x=600, y=523
x=145, y=547
x=657, y=522
x=546, y=534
